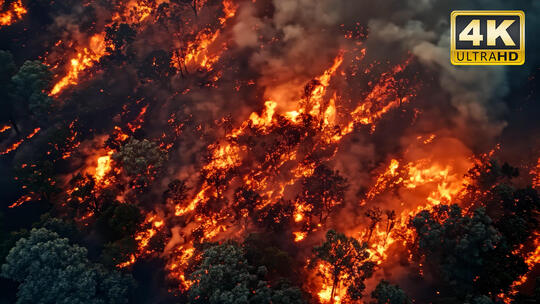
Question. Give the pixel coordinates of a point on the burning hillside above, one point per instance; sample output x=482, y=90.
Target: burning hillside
x=274, y=151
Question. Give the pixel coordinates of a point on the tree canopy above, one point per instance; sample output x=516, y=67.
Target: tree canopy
x=386, y=293
x=465, y=251
x=225, y=276
x=348, y=260
x=50, y=270
x=141, y=159
x=31, y=85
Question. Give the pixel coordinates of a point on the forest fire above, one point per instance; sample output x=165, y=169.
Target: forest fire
x=328, y=293
x=272, y=151
x=11, y=11
x=103, y=166
x=197, y=53
x=5, y=128
x=16, y=144
x=535, y=173
x=84, y=60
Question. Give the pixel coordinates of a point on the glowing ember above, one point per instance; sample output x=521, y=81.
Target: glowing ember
x=15, y=145
x=299, y=236
x=5, y=128
x=288, y=144
x=535, y=172
x=84, y=59
x=23, y=199
x=439, y=182
x=201, y=52
x=154, y=224
x=14, y=12
x=324, y=272
x=532, y=259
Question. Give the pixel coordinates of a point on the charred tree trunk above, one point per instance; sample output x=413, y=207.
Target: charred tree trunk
x=334, y=285
x=14, y=124
x=370, y=233
x=194, y=7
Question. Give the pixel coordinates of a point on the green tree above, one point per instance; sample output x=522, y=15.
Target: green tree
x=322, y=191
x=466, y=252
x=348, y=260
x=118, y=252
x=386, y=293
x=8, y=240
x=513, y=210
x=260, y=250
x=481, y=300
x=141, y=160
x=30, y=87
x=520, y=210
x=50, y=270
x=63, y=227
x=282, y=293
x=119, y=220
x=224, y=276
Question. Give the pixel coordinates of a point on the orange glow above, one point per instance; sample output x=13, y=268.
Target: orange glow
x=83, y=60
x=16, y=144
x=229, y=9
x=224, y=157
x=318, y=117
x=532, y=258
x=23, y=199
x=325, y=293
x=321, y=106
x=202, y=52
x=14, y=12
x=153, y=224
x=535, y=172
x=382, y=98
x=299, y=236
x=436, y=181
x=5, y=128
x=103, y=167
x=137, y=123
x=87, y=53
x=182, y=256
x=258, y=167
x=197, y=54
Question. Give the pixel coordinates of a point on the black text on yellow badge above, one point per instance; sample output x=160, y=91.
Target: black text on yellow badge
x=487, y=37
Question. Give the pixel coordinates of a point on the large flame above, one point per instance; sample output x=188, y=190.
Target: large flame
x=13, y=13
x=83, y=60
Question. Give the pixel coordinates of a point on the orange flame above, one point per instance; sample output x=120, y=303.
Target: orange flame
x=14, y=13
x=84, y=59
x=154, y=224
x=103, y=167
x=5, y=128
x=197, y=53
x=15, y=145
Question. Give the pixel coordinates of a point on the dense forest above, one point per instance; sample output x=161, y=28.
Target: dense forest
x=263, y=151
